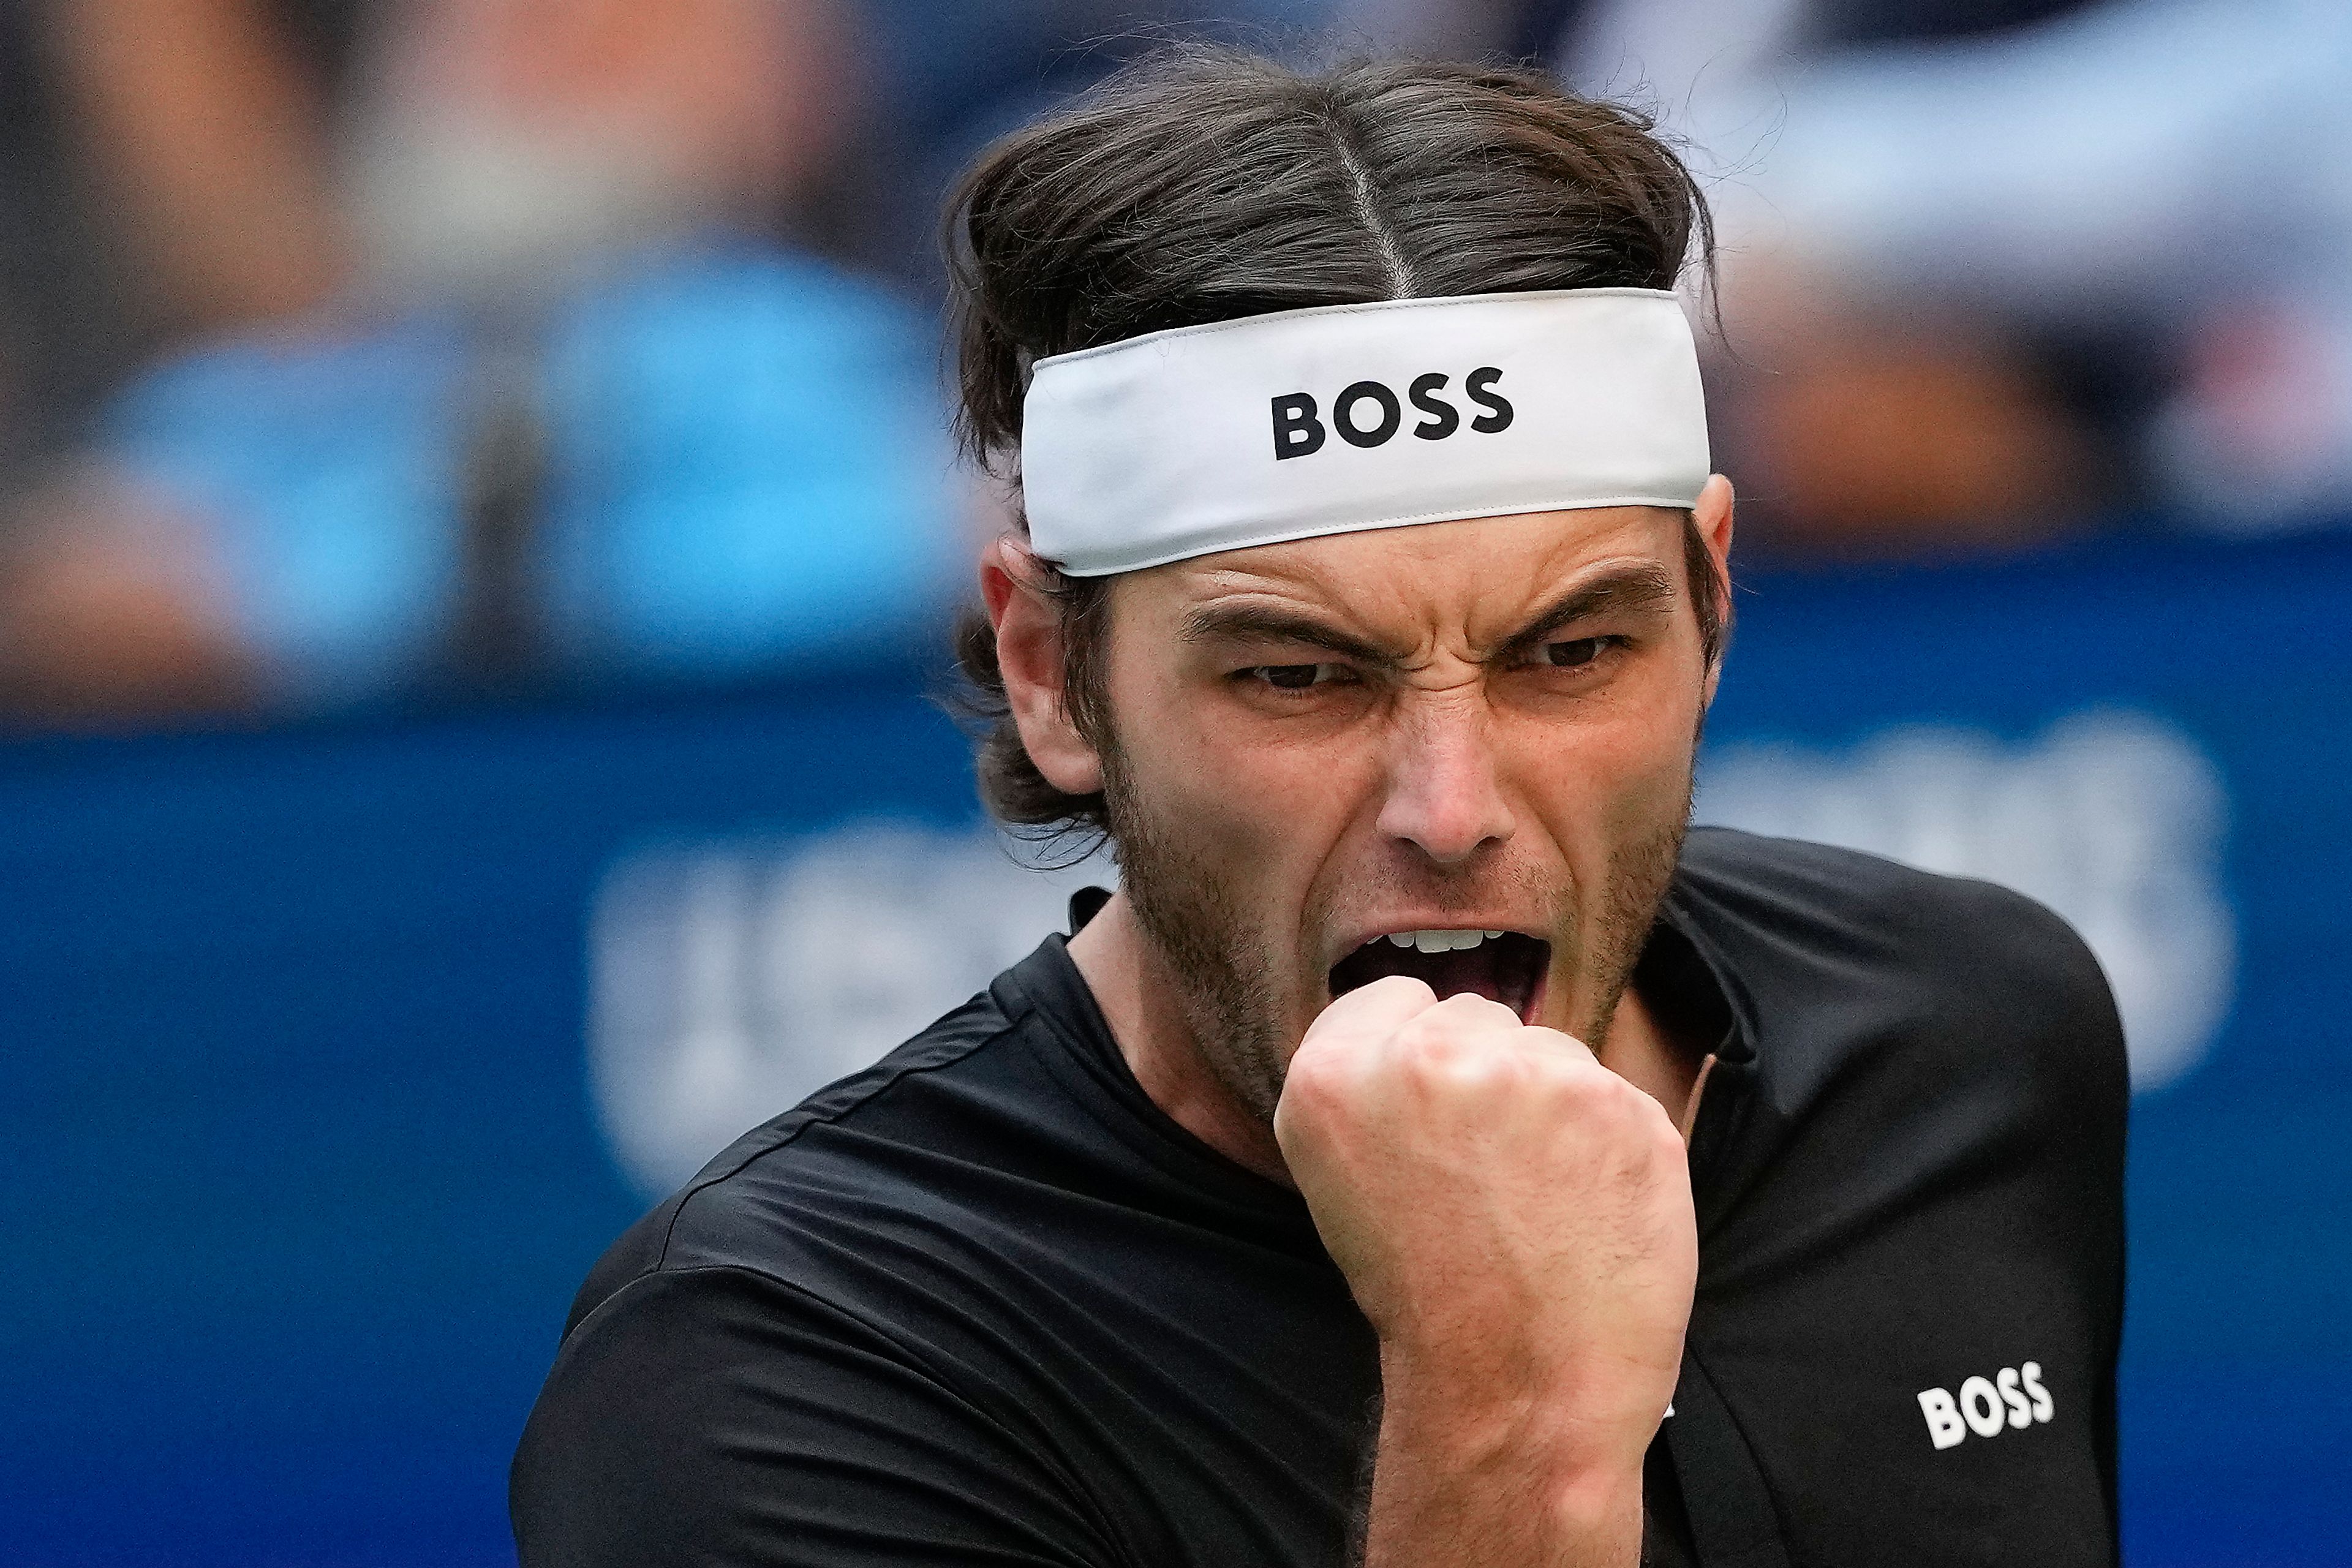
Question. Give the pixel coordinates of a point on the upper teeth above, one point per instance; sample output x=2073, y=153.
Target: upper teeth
x=1440, y=940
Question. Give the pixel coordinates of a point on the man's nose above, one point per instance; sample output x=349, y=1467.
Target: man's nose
x=1445, y=794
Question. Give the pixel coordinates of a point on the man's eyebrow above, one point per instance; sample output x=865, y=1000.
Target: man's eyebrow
x=1209, y=623
x=1638, y=587
x=1642, y=587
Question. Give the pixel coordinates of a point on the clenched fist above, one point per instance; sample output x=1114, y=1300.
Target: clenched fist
x=1514, y=1219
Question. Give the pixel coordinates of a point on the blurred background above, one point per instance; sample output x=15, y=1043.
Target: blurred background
x=476, y=523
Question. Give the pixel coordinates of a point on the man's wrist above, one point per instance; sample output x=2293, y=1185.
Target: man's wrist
x=1491, y=1400
x=1466, y=1435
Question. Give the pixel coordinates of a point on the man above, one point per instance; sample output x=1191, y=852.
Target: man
x=1325, y=1196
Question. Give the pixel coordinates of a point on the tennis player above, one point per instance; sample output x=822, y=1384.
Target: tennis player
x=1432, y=1154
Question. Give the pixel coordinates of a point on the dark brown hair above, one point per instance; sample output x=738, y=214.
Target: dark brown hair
x=1205, y=183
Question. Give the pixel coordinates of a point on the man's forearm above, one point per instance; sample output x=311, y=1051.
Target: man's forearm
x=1467, y=1476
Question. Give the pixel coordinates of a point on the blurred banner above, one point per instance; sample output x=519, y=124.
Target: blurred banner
x=331, y=1057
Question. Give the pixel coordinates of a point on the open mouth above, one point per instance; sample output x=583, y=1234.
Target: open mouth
x=1502, y=966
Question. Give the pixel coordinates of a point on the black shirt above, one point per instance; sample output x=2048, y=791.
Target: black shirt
x=983, y=1303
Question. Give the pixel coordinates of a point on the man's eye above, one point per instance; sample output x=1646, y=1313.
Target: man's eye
x=1574, y=655
x=1298, y=677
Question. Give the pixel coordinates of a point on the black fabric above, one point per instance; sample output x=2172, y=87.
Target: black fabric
x=985, y=1303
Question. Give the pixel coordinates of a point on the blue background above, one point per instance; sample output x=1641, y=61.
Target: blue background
x=300, y=1169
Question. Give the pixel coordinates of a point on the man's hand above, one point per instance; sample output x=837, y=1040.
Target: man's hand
x=1514, y=1219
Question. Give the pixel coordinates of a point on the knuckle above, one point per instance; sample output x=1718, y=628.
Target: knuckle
x=1445, y=1056
x=1434, y=1038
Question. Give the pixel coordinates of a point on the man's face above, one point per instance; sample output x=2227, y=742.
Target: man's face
x=1483, y=726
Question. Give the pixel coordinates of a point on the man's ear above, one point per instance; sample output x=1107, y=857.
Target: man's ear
x=1712, y=513
x=1029, y=656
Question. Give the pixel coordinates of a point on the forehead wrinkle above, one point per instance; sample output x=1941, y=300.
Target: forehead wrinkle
x=1393, y=614
x=1240, y=597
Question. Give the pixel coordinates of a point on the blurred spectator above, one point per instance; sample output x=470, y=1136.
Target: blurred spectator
x=575, y=407
x=501, y=146
x=159, y=165
x=1991, y=267
x=722, y=458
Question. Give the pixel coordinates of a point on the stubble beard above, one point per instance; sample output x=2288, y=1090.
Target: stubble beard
x=1639, y=875
x=1216, y=965
x=1220, y=968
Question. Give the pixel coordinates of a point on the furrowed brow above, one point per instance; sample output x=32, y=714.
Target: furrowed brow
x=1264, y=623
x=1628, y=589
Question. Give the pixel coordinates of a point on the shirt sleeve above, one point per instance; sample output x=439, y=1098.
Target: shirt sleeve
x=719, y=1418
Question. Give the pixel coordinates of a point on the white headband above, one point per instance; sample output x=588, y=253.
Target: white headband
x=1342, y=417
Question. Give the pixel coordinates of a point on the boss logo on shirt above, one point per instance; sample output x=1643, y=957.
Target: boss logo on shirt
x=1369, y=413
x=2015, y=1398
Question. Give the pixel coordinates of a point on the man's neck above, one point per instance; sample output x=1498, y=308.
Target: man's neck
x=1130, y=984
x=1640, y=1050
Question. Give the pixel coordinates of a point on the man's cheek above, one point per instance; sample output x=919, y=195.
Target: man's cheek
x=1645, y=796
x=1627, y=776
x=1254, y=812
x=1243, y=841
x=1614, y=801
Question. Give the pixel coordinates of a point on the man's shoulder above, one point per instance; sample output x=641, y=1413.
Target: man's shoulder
x=1863, y=913
x=1837, y=952
x=1916, y=1188
x=856, y=1148
x=1802, y=874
